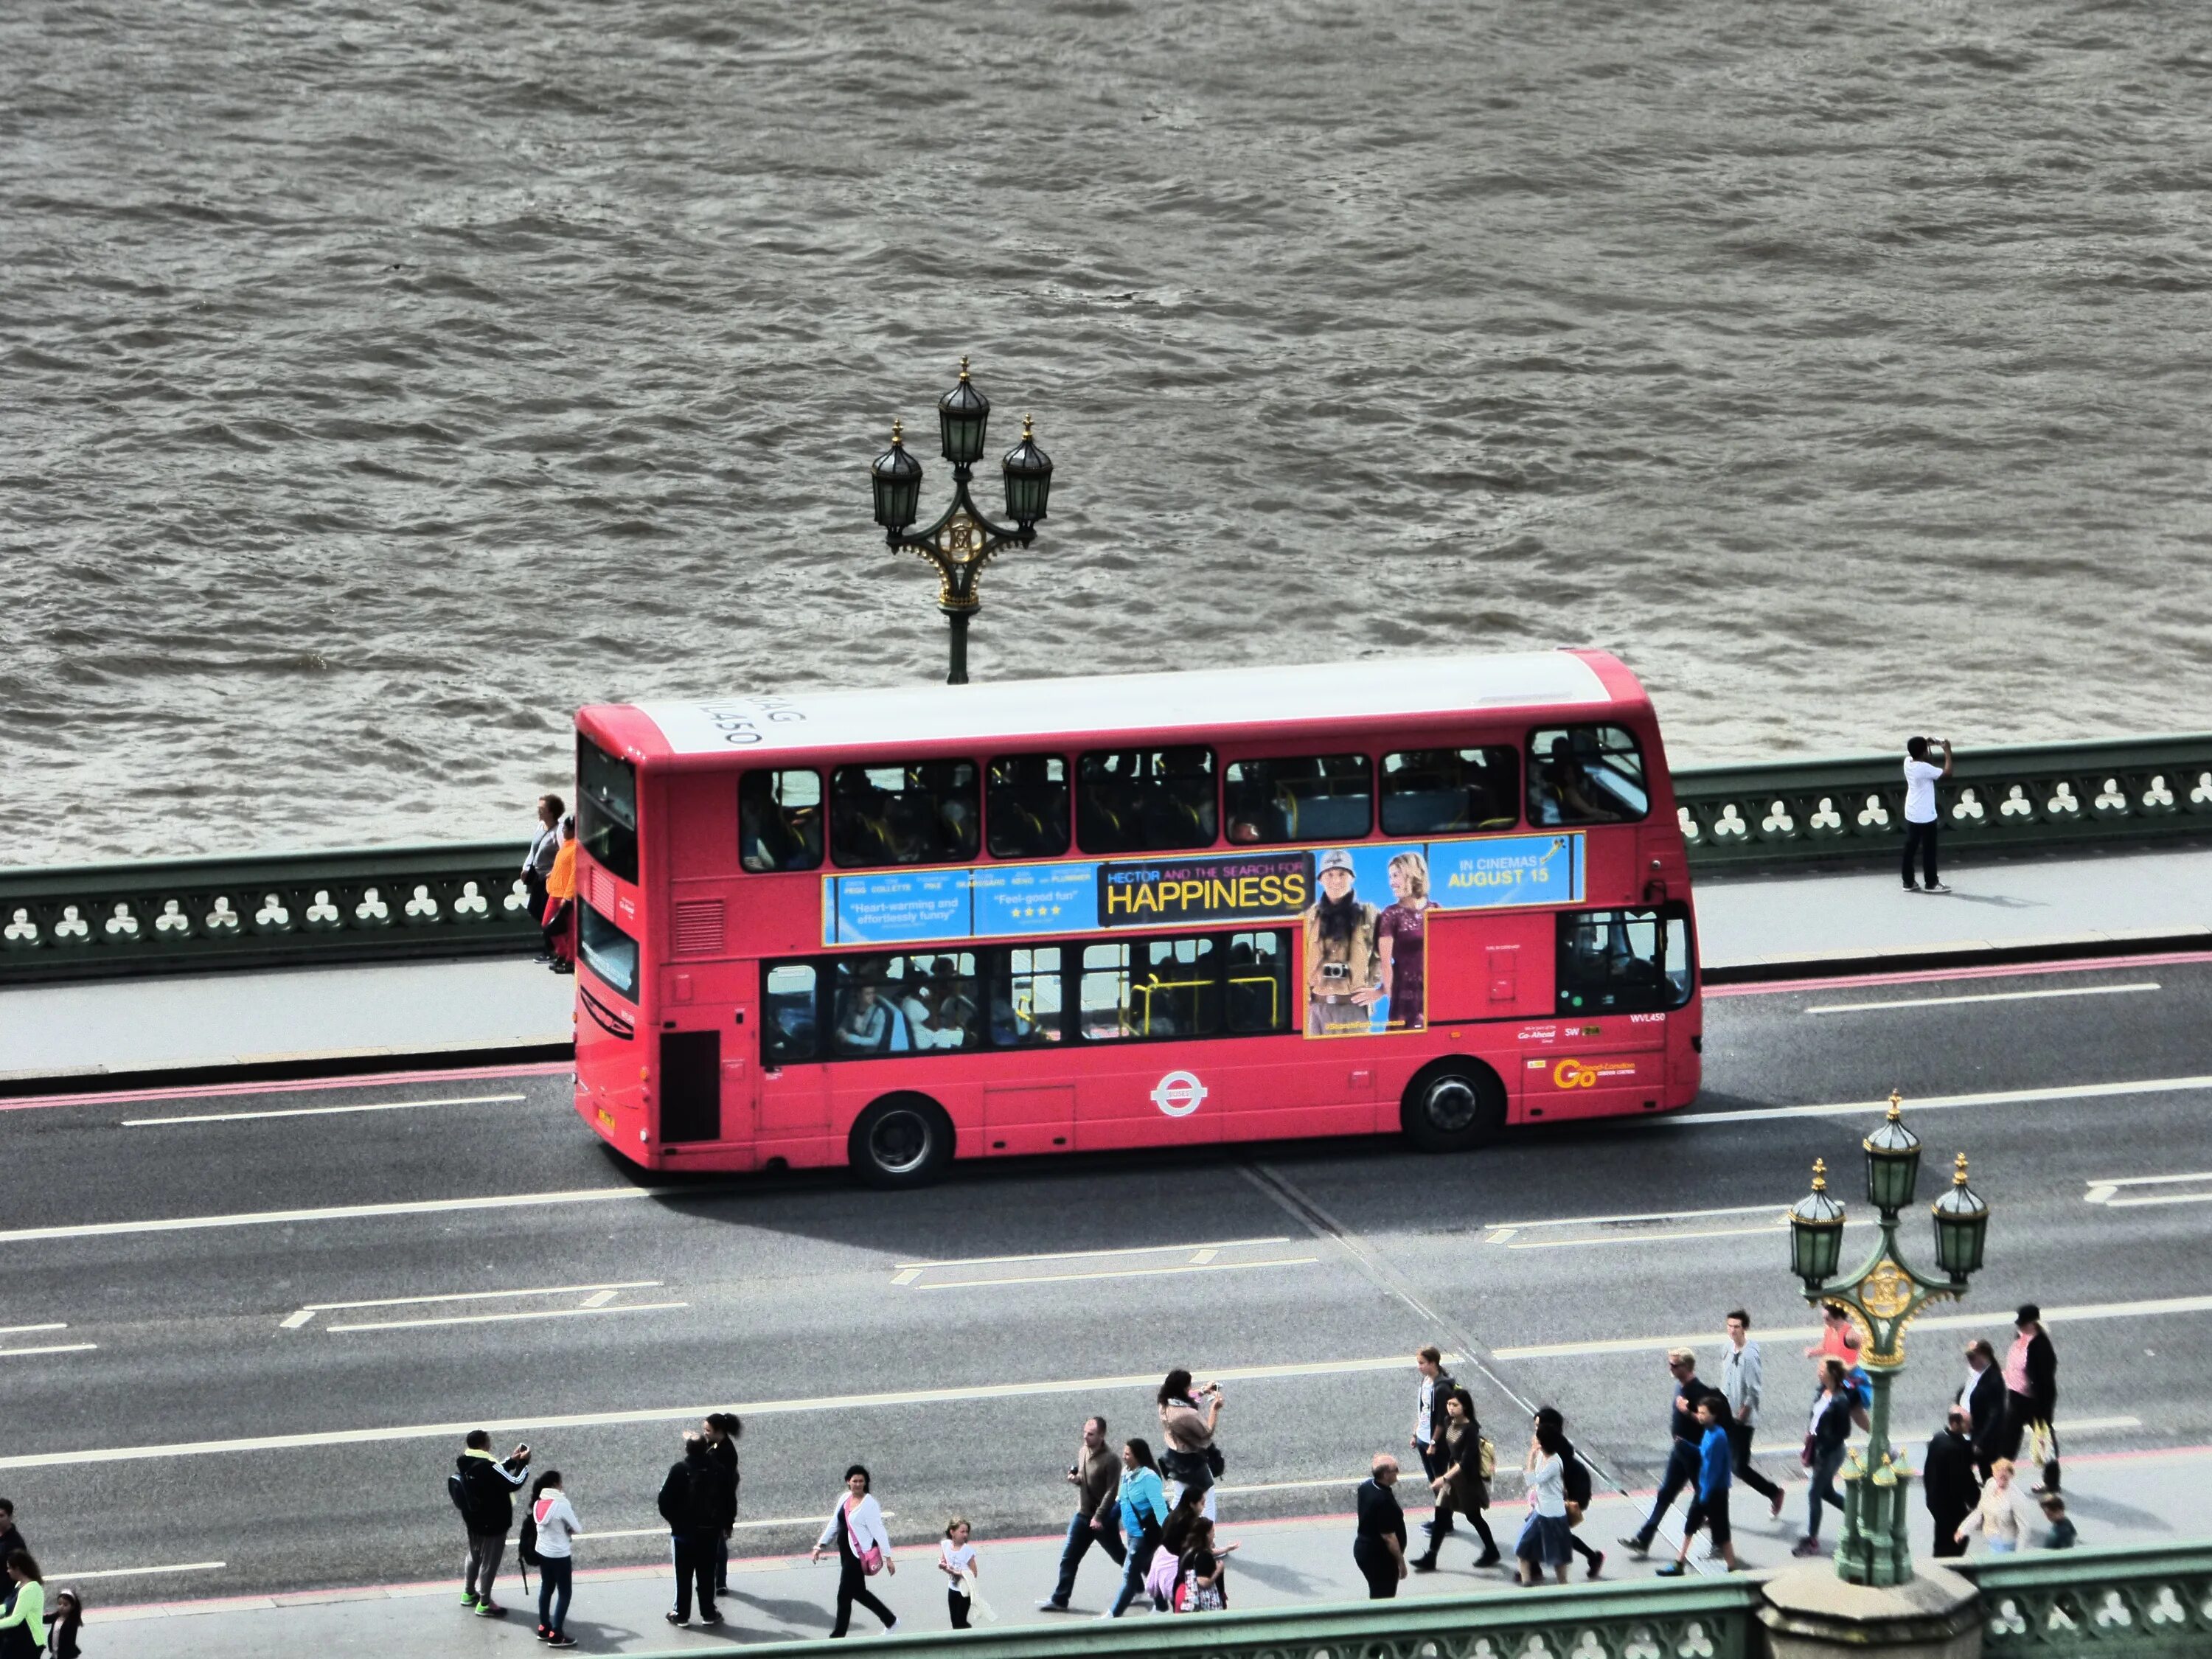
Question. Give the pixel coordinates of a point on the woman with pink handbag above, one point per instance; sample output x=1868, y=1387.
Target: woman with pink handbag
x=864, y=1548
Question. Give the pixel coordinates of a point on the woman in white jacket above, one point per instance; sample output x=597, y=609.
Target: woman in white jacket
x=556, y=1524
x=856, y=1532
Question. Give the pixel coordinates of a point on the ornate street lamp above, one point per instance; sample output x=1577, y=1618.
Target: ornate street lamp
x=962, y=541
x=1882, y=1298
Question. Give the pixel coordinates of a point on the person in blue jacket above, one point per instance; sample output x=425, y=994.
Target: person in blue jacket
x=1143, y=1503
x=1716, y=1475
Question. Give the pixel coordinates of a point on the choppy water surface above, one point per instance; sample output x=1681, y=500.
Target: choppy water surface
x=381, y=382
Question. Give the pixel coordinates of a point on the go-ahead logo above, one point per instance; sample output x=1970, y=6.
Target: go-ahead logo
x=1582, y=1074
x=1179, y=1094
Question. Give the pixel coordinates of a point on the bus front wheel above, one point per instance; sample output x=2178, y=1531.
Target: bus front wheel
x=1453, y=1107
x=902, y=1140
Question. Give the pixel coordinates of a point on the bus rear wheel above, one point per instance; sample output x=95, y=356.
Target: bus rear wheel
x=1453, y=1107
x=902, y=1140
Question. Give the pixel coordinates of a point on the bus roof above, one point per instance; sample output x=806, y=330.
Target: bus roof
x=1202, y=701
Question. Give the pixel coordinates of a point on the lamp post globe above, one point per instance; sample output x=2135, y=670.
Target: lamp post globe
x=1816, y=1232
x=1962, y=1224
x=1029, y=478
x=962, y=415
x=1892, y=1158
x=896, y=477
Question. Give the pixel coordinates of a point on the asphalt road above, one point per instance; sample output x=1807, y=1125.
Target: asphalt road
x=802, y=1302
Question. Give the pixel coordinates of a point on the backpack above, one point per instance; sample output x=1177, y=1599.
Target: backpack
x=525, y=1542
x=1576, y=1480
x=457, y=1490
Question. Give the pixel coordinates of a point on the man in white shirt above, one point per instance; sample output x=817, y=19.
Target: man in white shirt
x=1741, y=1379
x=1921, y=777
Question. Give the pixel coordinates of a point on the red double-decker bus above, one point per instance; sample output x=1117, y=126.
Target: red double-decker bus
x=891, y=928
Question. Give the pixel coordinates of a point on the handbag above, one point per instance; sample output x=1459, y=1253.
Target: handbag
x=870, y=1558
x=1574, y=1515
x=2042, y=1443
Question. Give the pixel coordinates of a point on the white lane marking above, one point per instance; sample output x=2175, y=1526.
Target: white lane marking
x=599, y=1298
x=995, y=1391
x=1120, y=1273
x=484, y=1295
x=2107, y=1191
x=1339, y=1480
x=72, y=1577
x=2157, y=1085
x=906, y=1275
x=1669, y=1238
x=1086, y=1256
x=185, y=1224
x=294, y=1321
x=1984, y=996
x=661, y=1531
x=2099, y=1425
x=25, y=1330
x=51, y=1347
x=505, y=1318
x=1648, y=1215
x=323, y=1111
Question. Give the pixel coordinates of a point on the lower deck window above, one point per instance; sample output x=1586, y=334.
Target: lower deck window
x=1623, y=962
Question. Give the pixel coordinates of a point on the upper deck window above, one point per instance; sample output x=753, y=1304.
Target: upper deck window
x=919, y=812
x=1446, y=791
x=606, y=808
x=780, y=820
x=1144, y=800
x=1026, y=803
x=1585, y=775
x=1306, y=798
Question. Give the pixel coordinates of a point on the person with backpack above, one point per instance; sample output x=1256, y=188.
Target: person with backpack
x=856, y=1532
x=1577, y=1479
x=1461, y=1482
x=546, y=1543
x=690, y=1503
x=482, y=1488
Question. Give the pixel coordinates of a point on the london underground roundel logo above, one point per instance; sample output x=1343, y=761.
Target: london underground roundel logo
x=1179, y=1094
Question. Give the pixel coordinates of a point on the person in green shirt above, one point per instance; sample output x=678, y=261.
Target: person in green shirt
x=23, y=1626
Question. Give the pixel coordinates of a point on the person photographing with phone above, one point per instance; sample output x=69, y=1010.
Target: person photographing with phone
x=1921, y=775
x=483, y=1488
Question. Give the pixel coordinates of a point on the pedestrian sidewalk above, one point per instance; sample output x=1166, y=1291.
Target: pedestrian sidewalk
x=2128, y=1498
x=135, y=1029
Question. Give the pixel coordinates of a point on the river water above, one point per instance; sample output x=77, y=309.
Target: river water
x=382, y=382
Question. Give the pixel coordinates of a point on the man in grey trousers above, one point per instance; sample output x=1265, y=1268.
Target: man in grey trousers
x=1739, y=1382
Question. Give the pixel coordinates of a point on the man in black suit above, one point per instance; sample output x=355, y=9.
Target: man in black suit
x=1984, y=1397
x=1953, y=1488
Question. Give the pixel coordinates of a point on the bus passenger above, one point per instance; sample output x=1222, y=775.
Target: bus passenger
x=866, y=1024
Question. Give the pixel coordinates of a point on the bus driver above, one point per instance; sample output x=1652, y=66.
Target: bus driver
x=1344, y=972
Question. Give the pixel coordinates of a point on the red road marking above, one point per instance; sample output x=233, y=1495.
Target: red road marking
x=372, y=1080
x=1931, y=976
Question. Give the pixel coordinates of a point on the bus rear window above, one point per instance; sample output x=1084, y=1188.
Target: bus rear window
x=607, y=950
x=1144, y=800
x=607, y=809
x=1585, y=775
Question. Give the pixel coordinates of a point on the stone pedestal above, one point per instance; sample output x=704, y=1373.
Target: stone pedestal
x=1810, y=1613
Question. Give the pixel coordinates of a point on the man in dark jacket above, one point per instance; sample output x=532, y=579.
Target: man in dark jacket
x=2034, y=1362
x=1984, y=1397
x=10, y=1540
x=1953, y=1486
x=488, y=1486
x=1378, y=1549
x=1682, y=1459
x=690, y=1502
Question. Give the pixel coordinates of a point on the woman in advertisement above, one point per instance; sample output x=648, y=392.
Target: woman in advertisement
x=1400, y=944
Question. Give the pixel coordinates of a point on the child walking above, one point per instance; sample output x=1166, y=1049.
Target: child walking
x=956, y=1559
